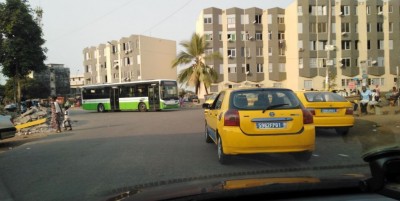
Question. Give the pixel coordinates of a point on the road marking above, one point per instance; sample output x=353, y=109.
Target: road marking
x=316, y=155
x=343, y=155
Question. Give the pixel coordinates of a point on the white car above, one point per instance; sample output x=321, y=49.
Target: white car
x=7, y=128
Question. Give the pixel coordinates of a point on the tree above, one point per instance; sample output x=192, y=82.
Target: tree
x=30, y=88
x=198, y=72
x=20, y=42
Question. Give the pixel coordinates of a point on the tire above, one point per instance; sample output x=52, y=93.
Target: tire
x=100, y=108
x=142, y=107
x=302, y=156
x=222, y=158
x=342, y=131
x=206, y=135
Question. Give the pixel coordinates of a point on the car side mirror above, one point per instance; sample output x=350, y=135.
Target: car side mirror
x=206, y=106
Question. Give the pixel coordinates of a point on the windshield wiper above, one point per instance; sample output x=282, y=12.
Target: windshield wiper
x=274, y=106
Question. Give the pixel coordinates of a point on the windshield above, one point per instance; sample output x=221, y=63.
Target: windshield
x=111, y=97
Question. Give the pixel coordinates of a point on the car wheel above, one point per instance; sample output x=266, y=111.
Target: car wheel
x=222, y=158
x=142, y=107
x=207, y=136
x=342, y=131
x=302, y=156
x=100, y=108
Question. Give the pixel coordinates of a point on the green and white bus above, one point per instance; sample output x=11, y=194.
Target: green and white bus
x=148, y=95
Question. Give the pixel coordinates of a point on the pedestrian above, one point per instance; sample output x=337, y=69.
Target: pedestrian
x=55, y=114
x=366, y=96
x=67, y=121
x=181, y=101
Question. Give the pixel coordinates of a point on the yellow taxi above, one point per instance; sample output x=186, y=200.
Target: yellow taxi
x=209, y=99
x=259, y=120
x=329, y=109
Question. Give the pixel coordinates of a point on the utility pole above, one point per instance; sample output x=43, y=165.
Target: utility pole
x=328, y=56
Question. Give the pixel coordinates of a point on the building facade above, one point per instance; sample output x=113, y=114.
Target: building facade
x=136, y=57
x=320, y=44
x=76, y=82
x=54, y=79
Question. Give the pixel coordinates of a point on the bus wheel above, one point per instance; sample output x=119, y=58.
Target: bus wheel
x=100, y=108
x=142, y=107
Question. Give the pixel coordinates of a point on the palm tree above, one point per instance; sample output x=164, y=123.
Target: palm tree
x=198, y=72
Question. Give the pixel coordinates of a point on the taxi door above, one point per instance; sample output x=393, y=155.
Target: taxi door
x=212, y=117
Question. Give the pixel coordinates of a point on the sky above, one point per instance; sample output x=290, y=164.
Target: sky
x=69, y=26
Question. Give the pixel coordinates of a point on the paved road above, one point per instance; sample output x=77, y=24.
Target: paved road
x=109, y=152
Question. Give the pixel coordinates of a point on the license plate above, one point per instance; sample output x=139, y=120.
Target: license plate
x=328, y=110
x=270, y=125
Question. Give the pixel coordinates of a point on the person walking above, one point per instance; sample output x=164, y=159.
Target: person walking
x=67, y=121
x=55, y=114
x=365, y=98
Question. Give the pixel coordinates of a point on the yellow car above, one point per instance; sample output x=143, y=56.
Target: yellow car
x=259, y=120
x=209, y=99
x=329, y=109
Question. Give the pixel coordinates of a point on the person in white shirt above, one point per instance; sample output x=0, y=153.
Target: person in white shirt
x=55, y=114
x=67, y=120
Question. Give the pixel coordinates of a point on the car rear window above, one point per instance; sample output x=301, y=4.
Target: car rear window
x=262, y=99
x=324, y=97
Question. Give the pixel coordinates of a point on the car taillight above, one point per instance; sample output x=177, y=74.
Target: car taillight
x=307, y=117
x=312, y=110
x=231, y=118
x=349, y=111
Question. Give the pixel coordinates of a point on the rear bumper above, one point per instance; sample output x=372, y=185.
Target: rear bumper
x=334, y=122
x=235, y=142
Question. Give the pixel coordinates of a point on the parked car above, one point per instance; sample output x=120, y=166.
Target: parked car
x=329, y=109
x=7, y=128
x=209, y=99
x=259, y=120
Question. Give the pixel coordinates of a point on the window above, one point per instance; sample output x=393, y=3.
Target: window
x=221, y=69
x=282, y=67
x=281, y=19
x=379, y=9
x=208, y=19
x=300, y=44
x=281, y=35
x=322, y=27
x=356, y=44
x=260, y=68
x=322, y=44
x=346, y=62
x=244, y=19
x=312, y=28
x=269, y=35
x=381, y=61
x=259, y=51
x=313, y=62
x=356, y=27
x=300, y=27
x=281, y=52
x=208, y=36
x=231, y=52
x=269, y=19
x=245, y=52
x=258, y=35
x=313, y=45
x=368, y=27
x=270, y=67
x=231, y=20
x=345, y=10
x=301, y=66
x=312, y=10
x=321, y=10
x=308, y=84
x=333, y=27
x=368, y=44
x=368, y=10
x=390, y=44
x=381, y=45
x=299, y=10
x=231, y=37
x=390, y=9
x=355, y=10
x=321, y=62
x=269, y=51
x=346, y=44
x=257, y=19
x=390, y=27
x=345, y=27
x=379, y=27
x=127, y=61
x=231, y=69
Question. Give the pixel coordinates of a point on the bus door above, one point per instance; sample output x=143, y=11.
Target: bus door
x=114, y=98
x=154, y=99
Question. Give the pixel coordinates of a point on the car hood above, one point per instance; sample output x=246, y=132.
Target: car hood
x=226, y=188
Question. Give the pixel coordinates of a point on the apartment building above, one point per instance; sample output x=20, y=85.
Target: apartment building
x=54, y=79
x=76, y=82
x=309, y=44
x=136, y=57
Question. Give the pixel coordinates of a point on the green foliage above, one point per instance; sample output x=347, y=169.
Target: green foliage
x=21, y=40
x=30, y=89
x=194, y=55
